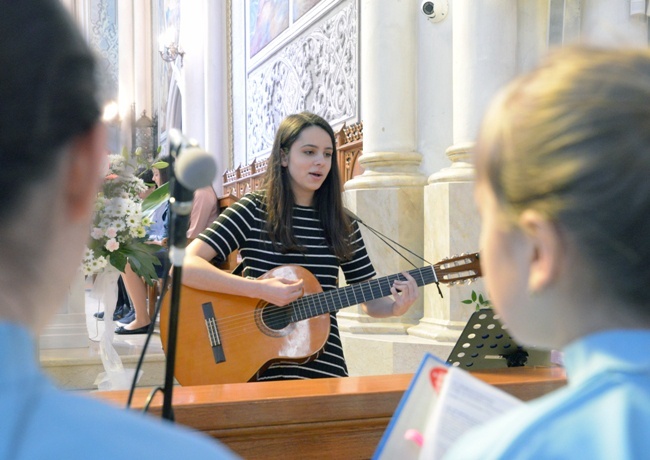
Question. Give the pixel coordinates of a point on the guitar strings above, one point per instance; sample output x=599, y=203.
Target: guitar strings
x=313, y=304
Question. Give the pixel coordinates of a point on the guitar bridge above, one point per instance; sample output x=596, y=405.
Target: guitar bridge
x=213, y=333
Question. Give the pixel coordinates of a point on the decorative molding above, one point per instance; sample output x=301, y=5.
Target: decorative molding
x=316, y=72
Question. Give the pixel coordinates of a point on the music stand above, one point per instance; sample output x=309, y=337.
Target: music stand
x=486, y=344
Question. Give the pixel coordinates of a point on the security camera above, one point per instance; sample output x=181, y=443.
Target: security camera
x=428, y=8
x=435, y=11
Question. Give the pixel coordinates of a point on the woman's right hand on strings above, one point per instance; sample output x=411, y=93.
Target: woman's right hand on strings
x=280, y=291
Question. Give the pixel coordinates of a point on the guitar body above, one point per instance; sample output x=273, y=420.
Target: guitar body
x=252, y=334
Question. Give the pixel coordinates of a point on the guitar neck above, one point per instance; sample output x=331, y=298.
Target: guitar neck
x=335, y=299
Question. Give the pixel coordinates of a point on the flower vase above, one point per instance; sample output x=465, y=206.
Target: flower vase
x=114, y=377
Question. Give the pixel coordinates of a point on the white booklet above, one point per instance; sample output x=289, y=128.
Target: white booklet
x=441, y=403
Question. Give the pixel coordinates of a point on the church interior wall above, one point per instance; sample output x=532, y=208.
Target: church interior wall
x=315, y=64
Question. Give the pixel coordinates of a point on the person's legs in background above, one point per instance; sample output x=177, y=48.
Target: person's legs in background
x=137, y=292
x=122, y=306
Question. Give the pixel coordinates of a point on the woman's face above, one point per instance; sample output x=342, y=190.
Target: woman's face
x=156, y=177
x=308, y=163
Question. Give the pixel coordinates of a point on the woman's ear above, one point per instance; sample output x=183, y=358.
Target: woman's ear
x=546, y=249
x=284, y=157
x=85, y=171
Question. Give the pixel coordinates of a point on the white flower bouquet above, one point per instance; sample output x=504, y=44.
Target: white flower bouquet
x=118, y=231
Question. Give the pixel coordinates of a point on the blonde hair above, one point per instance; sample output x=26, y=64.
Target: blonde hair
x=571, y=140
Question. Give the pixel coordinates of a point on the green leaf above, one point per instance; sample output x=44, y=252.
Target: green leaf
x=118, y=260
x=145, y=269
x=467, y=302
x=481, y=300
x=142, y=258
x=473, y=296
x=155, y=199
x=160, y=164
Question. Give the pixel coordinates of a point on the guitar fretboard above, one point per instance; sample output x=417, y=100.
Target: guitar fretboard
x=313, y=305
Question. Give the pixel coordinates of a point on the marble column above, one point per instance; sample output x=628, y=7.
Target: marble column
x=142, y=58
x=192, y=81
x=388, y=195
x=484, y=50
x=126, y=78
x=217, y=137
x=68, y=327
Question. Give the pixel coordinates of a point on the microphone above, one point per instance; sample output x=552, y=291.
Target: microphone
x=194, y=168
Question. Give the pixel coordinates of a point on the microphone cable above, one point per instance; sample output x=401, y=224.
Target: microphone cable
x=385, y=239
x=152, y=326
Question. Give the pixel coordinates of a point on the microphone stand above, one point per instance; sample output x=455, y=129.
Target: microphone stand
x=180, y=205
x=167, y=411
x=192, y=175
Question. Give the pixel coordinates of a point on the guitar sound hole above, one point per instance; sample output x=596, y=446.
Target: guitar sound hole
x=275, y=317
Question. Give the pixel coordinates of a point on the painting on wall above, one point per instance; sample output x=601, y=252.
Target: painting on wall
x=268, y=18
x=300, y=7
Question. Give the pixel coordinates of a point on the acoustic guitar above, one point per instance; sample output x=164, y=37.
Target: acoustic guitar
x=228, y=339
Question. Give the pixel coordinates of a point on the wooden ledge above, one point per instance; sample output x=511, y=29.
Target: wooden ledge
x=331, y=418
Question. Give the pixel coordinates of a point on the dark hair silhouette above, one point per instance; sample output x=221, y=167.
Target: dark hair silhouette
x=49, y=94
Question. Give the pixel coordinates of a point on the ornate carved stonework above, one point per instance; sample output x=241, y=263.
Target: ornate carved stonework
x=318, y=72
x=104, y=37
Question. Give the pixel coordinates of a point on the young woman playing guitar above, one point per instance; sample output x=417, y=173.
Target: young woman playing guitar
x=297, y=220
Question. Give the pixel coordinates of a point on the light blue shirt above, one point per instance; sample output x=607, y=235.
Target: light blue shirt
x=159, y=228
x=37, y=420
x=603, y=412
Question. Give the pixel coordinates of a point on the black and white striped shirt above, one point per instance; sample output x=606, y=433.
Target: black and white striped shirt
x=242, y=226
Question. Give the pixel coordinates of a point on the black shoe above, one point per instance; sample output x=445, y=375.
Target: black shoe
x=99, y=315
x=141, y=330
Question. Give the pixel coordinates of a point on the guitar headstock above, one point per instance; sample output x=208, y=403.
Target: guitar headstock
x=461, y=269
